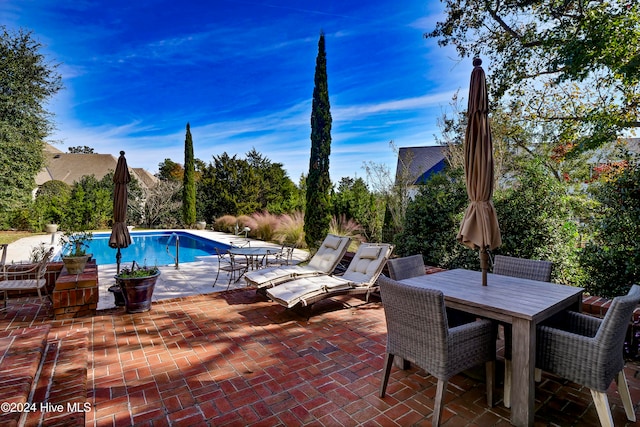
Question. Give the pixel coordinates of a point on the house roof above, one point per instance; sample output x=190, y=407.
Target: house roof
x=70, y=167
x=420, y=162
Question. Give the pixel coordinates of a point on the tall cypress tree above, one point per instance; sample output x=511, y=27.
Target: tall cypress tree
x=189, y=182
x=318, y=210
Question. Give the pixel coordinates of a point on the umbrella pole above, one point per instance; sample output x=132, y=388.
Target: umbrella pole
x=484, y=265
x=118, y=258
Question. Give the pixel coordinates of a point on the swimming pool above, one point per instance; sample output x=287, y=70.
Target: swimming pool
x=150, y=248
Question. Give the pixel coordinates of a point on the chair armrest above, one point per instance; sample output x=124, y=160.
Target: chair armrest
x=582, y=324
x=19, y=274
x=478, y=328
x=564, y=352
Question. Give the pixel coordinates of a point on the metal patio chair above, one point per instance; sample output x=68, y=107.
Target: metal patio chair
x=227, y=262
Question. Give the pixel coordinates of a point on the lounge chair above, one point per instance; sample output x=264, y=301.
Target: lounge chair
x=359, y=279
x=324, y=261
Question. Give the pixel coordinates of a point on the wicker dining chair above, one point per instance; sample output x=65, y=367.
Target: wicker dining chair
x=406, y=267
x=522, y=268
x=588, y=351
x=418, y=331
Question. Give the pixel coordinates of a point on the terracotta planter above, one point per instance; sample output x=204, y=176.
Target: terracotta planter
x=75, y=264
x=137, y=292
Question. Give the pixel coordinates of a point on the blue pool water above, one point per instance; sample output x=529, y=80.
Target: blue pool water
x=150, y=248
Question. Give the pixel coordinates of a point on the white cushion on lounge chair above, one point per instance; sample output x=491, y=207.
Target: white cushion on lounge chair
x=361, y=274
x=292, y=292
x=324, y=261
x=267, y=277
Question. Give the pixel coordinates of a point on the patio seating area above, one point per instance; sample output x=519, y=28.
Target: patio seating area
x=235, y=358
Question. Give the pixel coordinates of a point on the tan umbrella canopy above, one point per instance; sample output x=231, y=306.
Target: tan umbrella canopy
x=479, y=228
x=120, y=237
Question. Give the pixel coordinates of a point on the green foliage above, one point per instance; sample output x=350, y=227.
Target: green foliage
x=81, y=150
x=137, y=272
x=27, y=81
x=318, y=207
x=233, y=186
x=75, y=243
x=432, y=221
x=537, y=221
x=90, y=205
x=572, y=66
x=189, y=183
x=612, y=257
x=353, y=200
x=169, y=170
x=51, y=201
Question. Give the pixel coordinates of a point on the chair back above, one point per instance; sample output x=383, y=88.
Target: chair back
x=417, y=327
x=613, y=329
x=406, y=267
x=42, y=265
x=522, y=268
x=367, y=263
x=223, y=256
x=330, y=253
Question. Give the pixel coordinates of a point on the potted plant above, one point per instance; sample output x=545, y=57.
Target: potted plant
x=137, y=284
x=74, y=247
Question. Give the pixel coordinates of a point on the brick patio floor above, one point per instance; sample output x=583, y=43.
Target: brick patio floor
x=234, y=359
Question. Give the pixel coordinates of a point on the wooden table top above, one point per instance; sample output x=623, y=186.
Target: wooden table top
x=503, y=298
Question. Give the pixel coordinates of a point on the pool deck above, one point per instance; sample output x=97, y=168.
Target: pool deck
x=192, y=278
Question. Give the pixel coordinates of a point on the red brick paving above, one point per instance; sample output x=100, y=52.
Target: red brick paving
x=235, y=359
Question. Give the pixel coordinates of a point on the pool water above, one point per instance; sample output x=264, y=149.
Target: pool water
x=150, y=248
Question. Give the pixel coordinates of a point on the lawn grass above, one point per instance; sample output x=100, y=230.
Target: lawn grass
x=12, y=236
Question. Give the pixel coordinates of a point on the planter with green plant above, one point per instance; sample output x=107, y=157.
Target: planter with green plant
x=137, y=284
x=74, y=250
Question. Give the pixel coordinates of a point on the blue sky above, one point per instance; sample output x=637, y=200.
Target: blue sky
x=241, y=72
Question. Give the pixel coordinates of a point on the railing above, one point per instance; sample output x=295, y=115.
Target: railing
x=177, y=256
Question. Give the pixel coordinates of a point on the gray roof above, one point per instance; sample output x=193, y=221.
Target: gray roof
x=70, y=167
x=419, y=160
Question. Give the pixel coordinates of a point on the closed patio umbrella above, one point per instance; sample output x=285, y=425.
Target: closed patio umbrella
x=120, y=237
x=479, y=228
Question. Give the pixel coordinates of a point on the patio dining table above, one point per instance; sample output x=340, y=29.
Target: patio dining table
x=521, y=302
x=256, y=256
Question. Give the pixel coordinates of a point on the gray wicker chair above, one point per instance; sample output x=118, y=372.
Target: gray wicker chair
x=522, y=268
x=406, y=267
x=413, y=266
x=418, y=331
x=588, y=351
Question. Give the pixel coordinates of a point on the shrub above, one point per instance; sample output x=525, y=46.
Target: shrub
x=264, y=225
x=290, y=229
x=225, y=223
x=612, y=257
x=536, y=217
x=432, y=221
x=347, y=227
